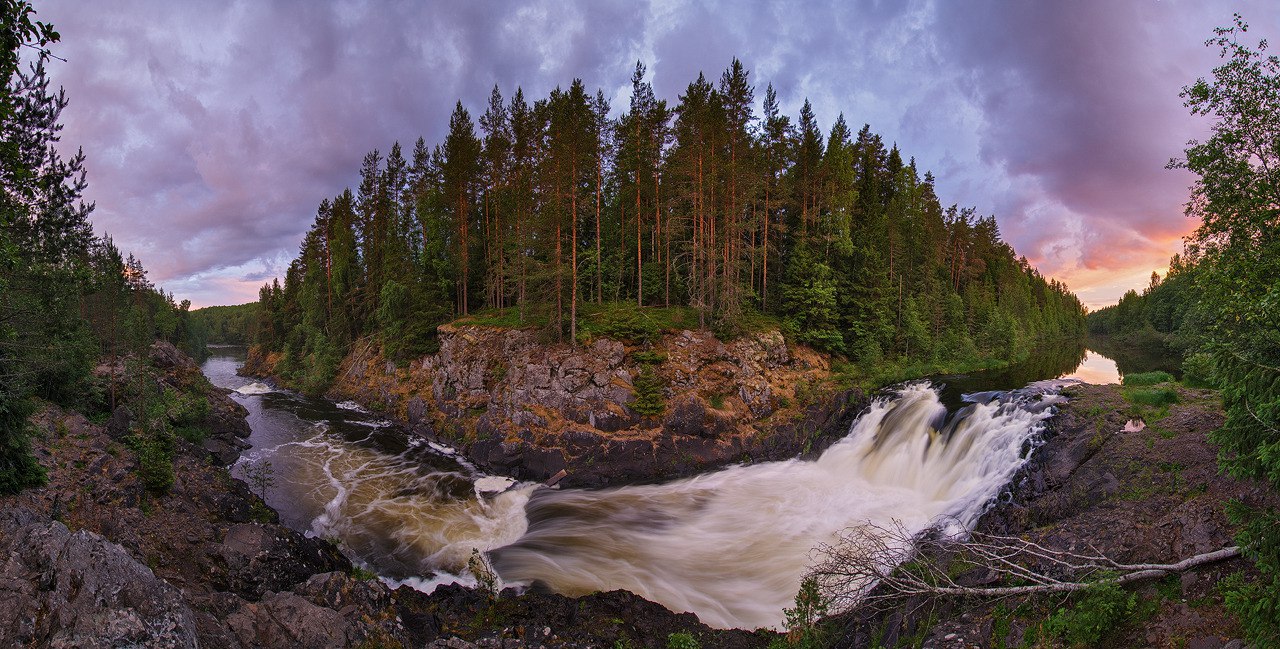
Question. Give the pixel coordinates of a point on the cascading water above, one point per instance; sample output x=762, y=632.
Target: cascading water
x=732, y=546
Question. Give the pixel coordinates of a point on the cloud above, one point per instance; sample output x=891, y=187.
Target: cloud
x=214, y=129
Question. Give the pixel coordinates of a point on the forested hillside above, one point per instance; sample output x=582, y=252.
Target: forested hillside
x=550, y=209
x=226, y=325
x=67, y=297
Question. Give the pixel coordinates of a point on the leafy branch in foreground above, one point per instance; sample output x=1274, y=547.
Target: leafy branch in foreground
x=876, y=568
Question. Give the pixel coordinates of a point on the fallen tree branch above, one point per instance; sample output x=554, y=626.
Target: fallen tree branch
x=876, y=567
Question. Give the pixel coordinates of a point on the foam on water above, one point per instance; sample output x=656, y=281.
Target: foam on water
x=255, y=388
x=732, y=546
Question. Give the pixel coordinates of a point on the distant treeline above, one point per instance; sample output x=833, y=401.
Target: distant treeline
x=703, y=204
x=226, y=325
x=1162, y=316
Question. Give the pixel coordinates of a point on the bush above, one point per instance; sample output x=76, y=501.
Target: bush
x=1198, y=371
x=649, y=357
x=1101, y=608
x=803, y=622
x=1147, y=378
x=629, y=324
x=649, y=401
x=682, y=640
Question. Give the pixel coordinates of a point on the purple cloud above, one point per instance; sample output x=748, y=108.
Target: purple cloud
x=214, y=129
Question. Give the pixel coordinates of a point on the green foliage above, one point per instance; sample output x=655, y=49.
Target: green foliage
x=1095, y=613
x=625, y=322
x=649, y=400
x=155, y=462
x=486, y=577
x=1158, y=396
x=682, y=640
x=1147, y=378
x=362, y=574
x=804, y=629
x=18, y=467
x=810, y=296
x=227, y=325
x=1198, y=371
x=554, y=215
x=648, y=357
x=1236, y=255
x=260, y=476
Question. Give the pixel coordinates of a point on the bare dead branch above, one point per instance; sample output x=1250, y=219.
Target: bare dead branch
x=874, y=567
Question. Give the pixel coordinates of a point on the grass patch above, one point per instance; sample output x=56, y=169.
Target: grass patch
x=629, y=323
x=1147, y=378
x=508, y=318
x=1154, y=397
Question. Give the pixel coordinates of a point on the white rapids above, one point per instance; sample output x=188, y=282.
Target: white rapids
x=255, y=388
x=733, y=546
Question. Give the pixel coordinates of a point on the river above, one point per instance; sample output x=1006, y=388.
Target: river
x=731, y=545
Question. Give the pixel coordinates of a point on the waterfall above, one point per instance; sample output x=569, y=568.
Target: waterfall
x=733, y=546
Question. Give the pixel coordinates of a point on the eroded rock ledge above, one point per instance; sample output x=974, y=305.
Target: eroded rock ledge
x=529, y=409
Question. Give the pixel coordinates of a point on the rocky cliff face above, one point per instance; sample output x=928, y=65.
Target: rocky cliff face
x=530, y=409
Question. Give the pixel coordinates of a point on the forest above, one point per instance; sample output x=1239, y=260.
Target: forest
x=554, y=214
x=68, y=298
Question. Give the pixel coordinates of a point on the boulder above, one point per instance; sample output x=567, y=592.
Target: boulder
x=254, y=559
x=64, y=589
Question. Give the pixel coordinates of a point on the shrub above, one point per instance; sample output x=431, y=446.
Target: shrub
x=649, y=401
x=803, y=629
x=1147, y=378
x=648, y=356
x=627, y=324
x=155, y=464
x=1101, y=608
x=682, y=640
x=1198, y=371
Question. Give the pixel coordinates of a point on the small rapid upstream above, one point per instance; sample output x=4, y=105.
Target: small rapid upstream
x=731, y=546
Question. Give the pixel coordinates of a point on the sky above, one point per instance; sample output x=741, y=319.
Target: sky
x=214, y=129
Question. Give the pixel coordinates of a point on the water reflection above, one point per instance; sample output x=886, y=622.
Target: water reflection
x=1096, y=369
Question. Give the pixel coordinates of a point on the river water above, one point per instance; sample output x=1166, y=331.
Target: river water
x=731, y=545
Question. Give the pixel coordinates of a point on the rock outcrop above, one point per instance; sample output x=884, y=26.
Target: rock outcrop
x=529, y=409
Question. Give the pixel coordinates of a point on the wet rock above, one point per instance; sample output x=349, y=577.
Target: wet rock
x=254, y=559
x=225, y=451
x=686, y=416
x=165, y=356
x=287, y=620
x=416, y=410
